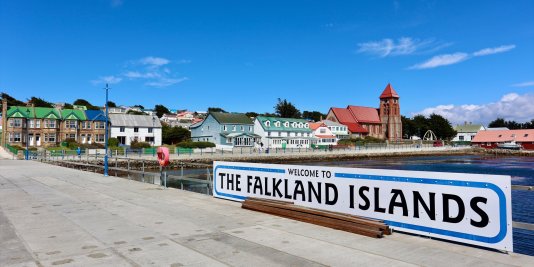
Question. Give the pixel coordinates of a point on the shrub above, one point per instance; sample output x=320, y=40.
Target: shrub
x=113, y=142
x=137, y=144
x=189, y=144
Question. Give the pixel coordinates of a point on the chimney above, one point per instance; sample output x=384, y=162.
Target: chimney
x=4, y=121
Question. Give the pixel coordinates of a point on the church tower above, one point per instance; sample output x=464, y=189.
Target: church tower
x=390, y=114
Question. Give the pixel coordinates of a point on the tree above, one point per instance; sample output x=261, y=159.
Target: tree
x=286, y=109
x=11, y=101
x=39, y=102
x=68, y=106
x=138, y=106
x=313, y=115
x=173, y=135
x=499, y=122
x=83, y=102
x=421, y=125
x=408, y=127
x=215, y=109
x=112, y=104
x=441, y=127
x=252, y=114
x=135, y=112
x=160, y=110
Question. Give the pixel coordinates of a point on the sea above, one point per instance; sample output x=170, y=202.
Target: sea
x=521, y=170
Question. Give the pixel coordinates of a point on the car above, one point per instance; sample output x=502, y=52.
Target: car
x=438, y=143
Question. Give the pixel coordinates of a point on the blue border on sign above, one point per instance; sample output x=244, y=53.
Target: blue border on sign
x=502, y=204
x=255, y=169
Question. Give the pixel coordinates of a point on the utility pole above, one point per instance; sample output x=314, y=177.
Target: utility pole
x=106, y=135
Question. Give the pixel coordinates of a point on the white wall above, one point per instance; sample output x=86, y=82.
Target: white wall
x=143, y=132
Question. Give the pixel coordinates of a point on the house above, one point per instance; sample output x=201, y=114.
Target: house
x=339, y=130
x=322, y=134
x=44, y=127
x=169, y=118
x=467, y=132
x=490, y=139
x=141, y=128
x=225, y=130
x=283, y=132
x=383, y=122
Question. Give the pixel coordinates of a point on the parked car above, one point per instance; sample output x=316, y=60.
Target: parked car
x=438, y=143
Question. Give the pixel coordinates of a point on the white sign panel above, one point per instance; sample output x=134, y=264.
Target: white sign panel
x=467, y=208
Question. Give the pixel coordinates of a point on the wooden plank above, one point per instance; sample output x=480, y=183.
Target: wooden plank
x=338, y=216
x=314, y=219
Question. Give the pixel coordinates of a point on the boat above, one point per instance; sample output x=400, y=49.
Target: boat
x=509, y=145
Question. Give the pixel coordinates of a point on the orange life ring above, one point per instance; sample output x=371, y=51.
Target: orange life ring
x=163, y=156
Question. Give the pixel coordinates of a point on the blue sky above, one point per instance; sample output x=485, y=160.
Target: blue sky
x=468, y=60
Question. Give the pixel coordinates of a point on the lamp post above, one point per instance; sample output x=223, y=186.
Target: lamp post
x=153, y=134
x=27, y=133
x=106, y=135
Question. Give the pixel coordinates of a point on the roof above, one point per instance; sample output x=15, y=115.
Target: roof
x=231, y=118
x=331, y=123
x=494, y=136
x=346, y=118
x=73, y=114
x=130, y=120
x=315, y=125
x=389, y=92
x=365, y=114
x=272, y=124
x=232, y=135
x=95, y=115
x=471, y=128
x=34, y=112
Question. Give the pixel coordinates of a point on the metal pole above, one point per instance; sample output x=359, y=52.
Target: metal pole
x=106, y=135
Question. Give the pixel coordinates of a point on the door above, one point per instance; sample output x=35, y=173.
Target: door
x=30, y=140
x=38, y=140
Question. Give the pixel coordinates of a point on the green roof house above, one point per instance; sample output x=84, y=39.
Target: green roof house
x=225, y=130
x=466, y=132
x=283, y=132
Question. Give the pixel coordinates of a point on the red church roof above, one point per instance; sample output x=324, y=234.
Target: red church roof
x=389, y=92
x=345, y=117
x=364, y=114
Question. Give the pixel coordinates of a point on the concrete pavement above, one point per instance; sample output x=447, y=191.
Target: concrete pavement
x=54, y=216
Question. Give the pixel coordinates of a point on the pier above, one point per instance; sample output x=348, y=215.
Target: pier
x=56, y=216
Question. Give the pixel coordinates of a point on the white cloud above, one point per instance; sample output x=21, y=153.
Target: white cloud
x=153, y=71
x=441, y=60
x=524, y=84
x=511, y=106
x=154, y=61
x=403, y=46
x=107, y=79
x=493, y=50
x=164, y=82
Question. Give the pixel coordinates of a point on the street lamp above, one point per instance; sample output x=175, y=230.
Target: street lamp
x=106, y=135
x=153, y=134
x=27, y=133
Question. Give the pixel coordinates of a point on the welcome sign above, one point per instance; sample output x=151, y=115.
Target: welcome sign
x=467, y=208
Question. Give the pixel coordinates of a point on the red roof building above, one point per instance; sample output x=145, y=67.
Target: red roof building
x=490, y=139
x=382, y=122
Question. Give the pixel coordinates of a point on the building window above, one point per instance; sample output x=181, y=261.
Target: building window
x=50, y=123
x=294, y=125
x=149, y=139
x=151, y=130
x=50, y=138
x=15, y=123
x=225, y=128
x=99, y=138
x=86, y=125
x=268, y=123
x=70, y=124
x=122, y=129
x=136, y=129
x=100, y=125
x=286, y=124
x=322, y=130
x=242, y=128
x=229, y=140
x=461, y=138
x=277, y=124
x=15, y=137
x=250, y=128
x=70, y=136
x=233, y=128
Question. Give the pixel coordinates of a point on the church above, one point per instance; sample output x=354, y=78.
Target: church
x=383, y=122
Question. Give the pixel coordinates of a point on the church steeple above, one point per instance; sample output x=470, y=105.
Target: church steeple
x=390, y=114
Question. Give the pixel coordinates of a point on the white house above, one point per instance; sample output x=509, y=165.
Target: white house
x=467, y=132
x=283, y=132
x=323, y=135
x=128, y=127
x=339, y=130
